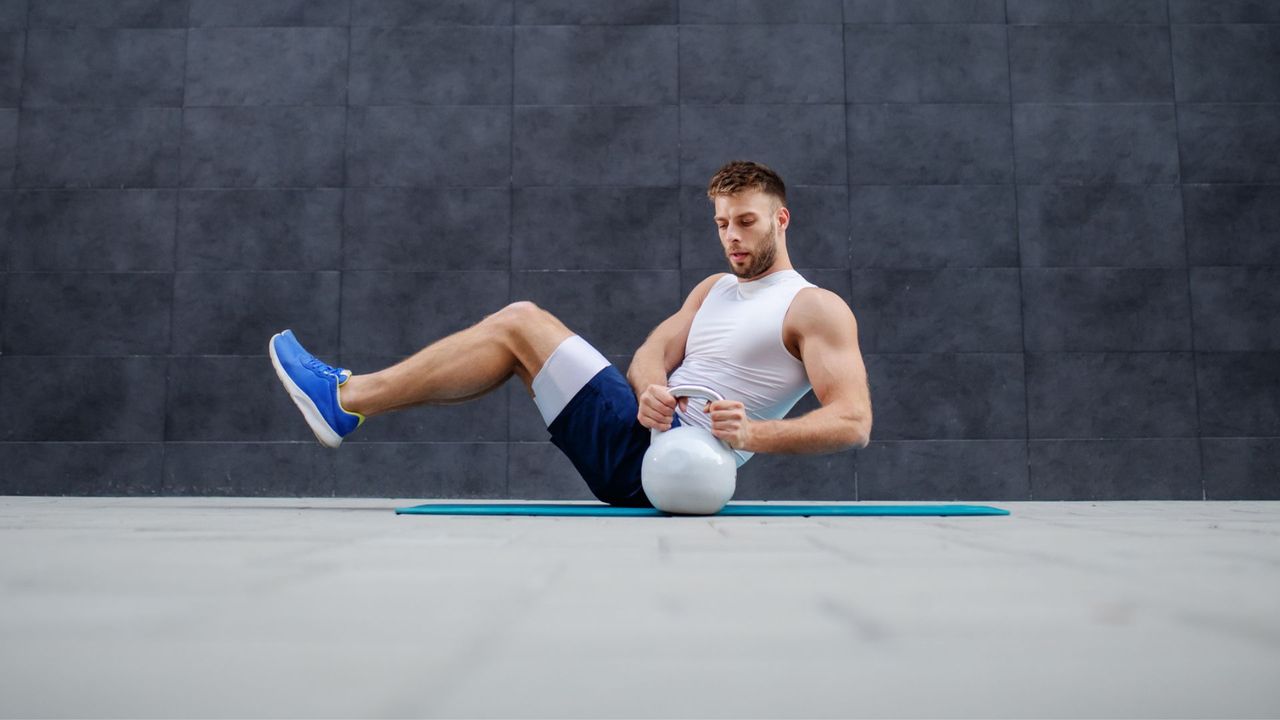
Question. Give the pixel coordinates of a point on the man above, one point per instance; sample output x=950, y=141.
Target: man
x=761, y=336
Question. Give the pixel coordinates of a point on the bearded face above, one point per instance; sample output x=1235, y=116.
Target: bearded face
x=758, y=259
x=749, y=230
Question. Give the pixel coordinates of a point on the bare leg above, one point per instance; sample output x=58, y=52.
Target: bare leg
x=516, y=340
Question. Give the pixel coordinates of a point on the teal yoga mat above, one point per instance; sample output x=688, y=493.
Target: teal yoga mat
x=593, y=509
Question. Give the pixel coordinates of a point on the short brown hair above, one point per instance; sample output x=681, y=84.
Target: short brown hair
x=741, y=175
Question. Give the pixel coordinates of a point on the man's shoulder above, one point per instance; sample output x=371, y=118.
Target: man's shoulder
x=814, y=306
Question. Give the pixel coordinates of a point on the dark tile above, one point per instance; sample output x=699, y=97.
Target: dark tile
x=951, y=470
x=1130, y=469
x=601, y=306
x=260, y=229
x=1083, y=395
x=1224, y=11
x=65, y=468
x=105, y=230
x=422, y=13
x=248, y=469
x=933, y=226
x=266, y=66
x=1221, y=63
x=1102, y=309
x=87, y=314
x=1101, y=225
x=431, y=66
x=823, y=477
x=539, y=471
x=1236, y=308
x=525, y=422
x=1241, y=468
x=923, y=11
x=236, y=313
x=929, y=144
x=1090, y=63
x=92, y=67
x=595, y=229
x=12, y=53
x=400, y=313
x=766, y=12
x=269, y=13
x=818, y=235
x=567, y=65
x=401, y=146
x=13, y=14
x=595, y=146
x=100, y=147
x=263, y=147
x=945, y=396
x=810, y=152
x=422, y=470
x=1238, y=393
x=761, y=64
x=482, y=420
x=8, y=147
x=926, y=63
x=1223, y=143
x=1087, y=11
x=8, y=199
x=118, y=13
x=82, y=398
x=427, y=229
x=939, y=310
x=1099, y=143
x=230, y=399
x=1232, y=224
x=592, y=12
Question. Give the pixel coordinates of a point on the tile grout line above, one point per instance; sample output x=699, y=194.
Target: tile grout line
x=332, y=462
x=511, y=231
x=848, y=205
x=173, y=260
x=1186, y=249
x=1017, y=234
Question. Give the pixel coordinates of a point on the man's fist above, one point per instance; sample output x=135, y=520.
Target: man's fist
x=657, y=406
x=729, y=422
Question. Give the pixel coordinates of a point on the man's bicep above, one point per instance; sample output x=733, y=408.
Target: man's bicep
x=833, y=360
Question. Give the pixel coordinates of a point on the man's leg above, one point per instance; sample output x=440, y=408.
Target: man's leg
x=516, y=340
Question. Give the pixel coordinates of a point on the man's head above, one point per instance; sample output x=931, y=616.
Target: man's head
x=750, y=210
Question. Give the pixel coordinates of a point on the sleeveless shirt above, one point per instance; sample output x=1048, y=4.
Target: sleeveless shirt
x=735, y=348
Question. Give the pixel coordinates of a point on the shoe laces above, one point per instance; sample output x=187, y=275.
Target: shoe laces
x=318, y=367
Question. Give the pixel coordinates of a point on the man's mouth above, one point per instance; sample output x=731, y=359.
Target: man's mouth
x=737, y=256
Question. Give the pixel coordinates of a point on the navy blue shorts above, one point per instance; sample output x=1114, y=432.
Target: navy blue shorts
x=601, y=436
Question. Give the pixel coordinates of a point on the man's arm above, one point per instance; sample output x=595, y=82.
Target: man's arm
x=828, y=340
x=663, y=352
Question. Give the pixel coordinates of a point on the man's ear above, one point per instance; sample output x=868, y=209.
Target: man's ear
x=783, y=217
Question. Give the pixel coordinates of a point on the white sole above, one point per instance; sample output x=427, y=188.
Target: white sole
x=310, y=412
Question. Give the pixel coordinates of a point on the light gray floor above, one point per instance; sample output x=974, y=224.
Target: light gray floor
x=221, y=607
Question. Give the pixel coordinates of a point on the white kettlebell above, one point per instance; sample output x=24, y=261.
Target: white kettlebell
x=687, y=470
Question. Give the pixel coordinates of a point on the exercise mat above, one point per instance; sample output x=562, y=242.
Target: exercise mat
x=739, y=509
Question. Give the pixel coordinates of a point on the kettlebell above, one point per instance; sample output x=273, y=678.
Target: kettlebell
x=687, y=470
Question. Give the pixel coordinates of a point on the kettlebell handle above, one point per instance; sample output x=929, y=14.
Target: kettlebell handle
x=699, y=391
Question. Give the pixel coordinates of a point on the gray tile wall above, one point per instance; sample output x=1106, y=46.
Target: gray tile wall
x=1058, y=222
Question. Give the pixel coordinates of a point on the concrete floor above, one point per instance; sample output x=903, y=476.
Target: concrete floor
x=185, y=607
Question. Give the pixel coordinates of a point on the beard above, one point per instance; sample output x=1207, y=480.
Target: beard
x=762, y=259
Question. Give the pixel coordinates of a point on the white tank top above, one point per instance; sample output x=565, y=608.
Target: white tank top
x=735, y=348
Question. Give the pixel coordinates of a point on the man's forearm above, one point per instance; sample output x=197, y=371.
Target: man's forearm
x=826, y=429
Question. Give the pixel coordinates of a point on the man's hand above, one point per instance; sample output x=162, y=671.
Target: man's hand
x=729, y=422
x=657, y=406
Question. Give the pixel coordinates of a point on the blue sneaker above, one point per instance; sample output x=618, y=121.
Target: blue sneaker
x=314, y=389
